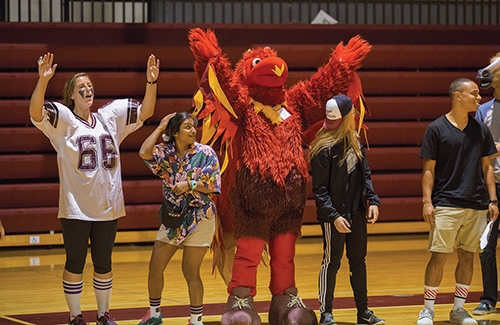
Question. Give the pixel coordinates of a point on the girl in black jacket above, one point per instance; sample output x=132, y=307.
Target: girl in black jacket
x=342, y=186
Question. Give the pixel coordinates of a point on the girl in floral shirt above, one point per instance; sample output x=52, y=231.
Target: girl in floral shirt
x=186, y=168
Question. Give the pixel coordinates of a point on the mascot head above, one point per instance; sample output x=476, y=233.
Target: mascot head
x=262, y=67
x=490, y=74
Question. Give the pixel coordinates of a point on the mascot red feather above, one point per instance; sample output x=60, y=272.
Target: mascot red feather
x=259, y=125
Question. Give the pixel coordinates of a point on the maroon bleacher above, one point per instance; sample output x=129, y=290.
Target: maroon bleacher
x=405, y=79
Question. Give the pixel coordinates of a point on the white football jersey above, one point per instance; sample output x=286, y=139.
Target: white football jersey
x=88, y=157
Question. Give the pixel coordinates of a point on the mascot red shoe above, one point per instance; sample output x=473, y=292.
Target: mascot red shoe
x=258, y=125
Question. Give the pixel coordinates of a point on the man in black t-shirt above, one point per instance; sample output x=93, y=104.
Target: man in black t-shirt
x=459, y=195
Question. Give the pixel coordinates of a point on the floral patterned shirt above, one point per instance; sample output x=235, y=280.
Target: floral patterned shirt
x=200, y=163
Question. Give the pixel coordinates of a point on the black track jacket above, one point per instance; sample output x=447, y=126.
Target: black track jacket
x=331, y=186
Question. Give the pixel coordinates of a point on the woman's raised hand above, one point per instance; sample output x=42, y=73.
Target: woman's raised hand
x=164, y=121
x=45, y=68
x=153, y=69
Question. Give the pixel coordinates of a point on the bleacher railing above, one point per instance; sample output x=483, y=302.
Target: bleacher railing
x=376, y=12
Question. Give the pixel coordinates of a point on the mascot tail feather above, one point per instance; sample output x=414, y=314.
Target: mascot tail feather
x=355, y=92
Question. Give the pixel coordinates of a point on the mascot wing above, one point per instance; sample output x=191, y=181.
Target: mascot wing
x=337, y=76
x=213, y=100
x=204, y=46
x=353, y=54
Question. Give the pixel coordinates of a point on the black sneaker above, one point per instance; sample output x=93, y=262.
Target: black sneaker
x=105, y=319
x=368, y=317
x=484, y=308
x=326, y=319
x=78, y=320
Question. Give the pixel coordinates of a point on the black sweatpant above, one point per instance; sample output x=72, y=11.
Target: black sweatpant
x=333, y=245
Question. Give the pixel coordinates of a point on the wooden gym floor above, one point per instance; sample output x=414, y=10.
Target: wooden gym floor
x=31, y=291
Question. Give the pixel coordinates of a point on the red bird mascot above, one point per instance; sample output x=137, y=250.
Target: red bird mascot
x=258, y=125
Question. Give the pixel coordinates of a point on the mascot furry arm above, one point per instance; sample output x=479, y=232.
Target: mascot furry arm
x=336, y=76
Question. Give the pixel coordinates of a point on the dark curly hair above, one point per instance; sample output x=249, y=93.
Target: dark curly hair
x=174, y=125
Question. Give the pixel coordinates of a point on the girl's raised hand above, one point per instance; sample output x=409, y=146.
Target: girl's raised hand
x=153, y=69
x=45, y=68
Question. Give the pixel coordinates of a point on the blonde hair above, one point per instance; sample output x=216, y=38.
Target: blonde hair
x=345, y=134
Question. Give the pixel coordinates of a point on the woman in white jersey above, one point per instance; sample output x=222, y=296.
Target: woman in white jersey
x=88, y=158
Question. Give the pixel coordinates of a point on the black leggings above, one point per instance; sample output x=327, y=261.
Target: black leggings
x=76, y=234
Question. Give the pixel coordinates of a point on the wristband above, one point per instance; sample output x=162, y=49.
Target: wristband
x=152, y=82
x=493, y=201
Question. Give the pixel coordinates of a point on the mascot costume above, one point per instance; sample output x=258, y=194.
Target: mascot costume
x=258, y=125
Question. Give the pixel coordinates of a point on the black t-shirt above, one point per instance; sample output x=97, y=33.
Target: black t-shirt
x=459, y=180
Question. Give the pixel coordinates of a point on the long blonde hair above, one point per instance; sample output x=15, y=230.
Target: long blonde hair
x=346, y=133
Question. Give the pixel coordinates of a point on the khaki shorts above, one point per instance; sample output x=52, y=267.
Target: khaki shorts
x=457, y=225
x=201, y=236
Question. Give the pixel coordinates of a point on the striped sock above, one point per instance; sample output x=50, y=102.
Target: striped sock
x=73, y=295
x=461, y=292
x=102, y=290
x=154, y=307
x=430, y=294
x=196, y=315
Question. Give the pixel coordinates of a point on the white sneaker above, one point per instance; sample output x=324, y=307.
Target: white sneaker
x=425, y=317
x=461, y=316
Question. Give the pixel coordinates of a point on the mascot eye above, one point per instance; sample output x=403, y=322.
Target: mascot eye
x=255, y=62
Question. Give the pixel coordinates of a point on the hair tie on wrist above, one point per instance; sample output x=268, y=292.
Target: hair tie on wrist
x=152, y=82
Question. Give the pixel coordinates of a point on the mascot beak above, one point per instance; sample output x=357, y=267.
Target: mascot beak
x=269, y=72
